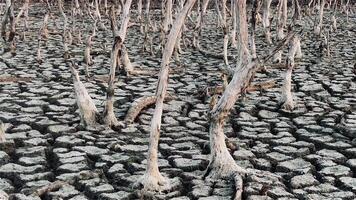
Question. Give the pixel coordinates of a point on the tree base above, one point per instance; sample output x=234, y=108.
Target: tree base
x=111, y=121
x=223, y=166
x=154, y=182
x=288, y=105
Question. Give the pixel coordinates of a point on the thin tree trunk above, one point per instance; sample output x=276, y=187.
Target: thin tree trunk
x=287, y=97
x=253, y=26
x=265, y=20
x=153, y=180
x=234, y=25
x=22, y=11
x=8, y=16
x=87, y=57
x=318, y=27
x=280, y=24
x=139, y=10
x=168, y=16
x=109, y=117
x=2, y=132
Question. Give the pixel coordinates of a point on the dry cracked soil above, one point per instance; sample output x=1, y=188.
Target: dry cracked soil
x=308, y=153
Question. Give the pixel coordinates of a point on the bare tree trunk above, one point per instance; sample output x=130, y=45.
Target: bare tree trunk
x=8, y=16
x=66, y=34
x=318, y=27
x=234, y=24
x=221, y=162
x=265, y=20
x=109, y=117
x=199, y=25
x=280, y=25
x=42, y=36
x=2, y=132
x=168, y=16
x=139, y=18
x=87, y=109
x=153, y=180
x=98, y=16
x=23, y=10
x=253, y=26
x=225, y=29
x=287, y=97
x=87, y=57
x=296, y=14
x=122, y=33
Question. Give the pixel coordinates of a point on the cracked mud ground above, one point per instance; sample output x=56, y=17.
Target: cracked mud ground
x=309, y=153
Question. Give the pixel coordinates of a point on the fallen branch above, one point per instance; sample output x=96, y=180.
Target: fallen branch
x=14, y=79
x=48, y=188
x=139, y=104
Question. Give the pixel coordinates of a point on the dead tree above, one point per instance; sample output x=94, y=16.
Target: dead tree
x=66, y=33
x=87, y=109
x=253, y=27
x=281, y=23
x=109, y=117
x=234, y=25
x=8, y=17
x=152, y=179
x=124, y=57
x=2, y=132
x=42, y=36
x=318, y=27
x=221, y=162
x=266, y=21
x=199, y=25
x=296, y=13
x=167, y=22
x=87, y=57
x=287, y=98
x=97, y=16
x=23, y=11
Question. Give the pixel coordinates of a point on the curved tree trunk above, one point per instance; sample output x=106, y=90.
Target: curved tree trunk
x=221, y=162
x=153, y=180
x=87, y=108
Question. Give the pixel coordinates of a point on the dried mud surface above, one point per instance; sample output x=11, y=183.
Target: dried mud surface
x=309, y=153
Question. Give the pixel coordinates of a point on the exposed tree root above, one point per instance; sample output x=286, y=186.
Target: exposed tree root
x=48, y=188
x=139, y=104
